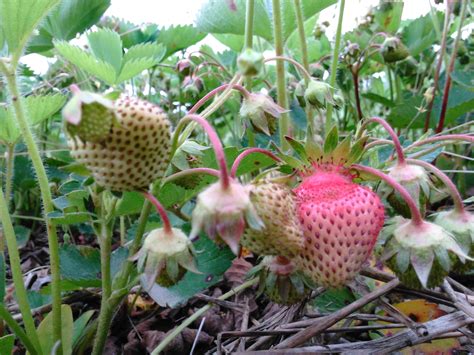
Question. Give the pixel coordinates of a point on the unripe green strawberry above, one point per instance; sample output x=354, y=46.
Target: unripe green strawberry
x=282, y=234
x=136, y=151
x=393, y=50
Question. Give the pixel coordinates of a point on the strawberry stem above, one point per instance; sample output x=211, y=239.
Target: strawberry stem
x=415, y=212
x=242, y=155
x=455, y=195
x=303, y=70
x=214, y=92
x=446, y=137
x=193, y=171
x=160, y=209
x=215, y=141
x=391, y=132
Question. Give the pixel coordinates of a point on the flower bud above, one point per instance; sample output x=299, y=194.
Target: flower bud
x=184, y=67
x=224, y=212
x=318, y=93
x=165, y=257
x=393, y=50
x=262, y=112
x=250, y=62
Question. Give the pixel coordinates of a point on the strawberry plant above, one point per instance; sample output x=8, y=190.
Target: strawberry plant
x=160, y=196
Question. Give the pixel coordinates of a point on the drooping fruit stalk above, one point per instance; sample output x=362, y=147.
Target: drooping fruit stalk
x=415, y=212
x=215, y=141
x=214, y=92
x=241, y=156
x=224, y=208
x=160, y=209
x=188, y=172
x=301, y=68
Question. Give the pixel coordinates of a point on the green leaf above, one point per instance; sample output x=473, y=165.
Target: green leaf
x=420, y=34
x=333, y=300
x=79, y=264
x=298, y=147
x=234, y=42
x=130, y=203
x=388, y=16
x=228, y=17
x=464, y=78
x=145, y=50
x=67, y=218
x=19, y=18
x=405, y=112
x=135, y=67
x=86, y=61
x=254, y=162
x=212, y=261
x=6, y=344
x=43, y=106
x=176, y=38
x=332, y=138
x=106, y=46
x=69, y=18
x=22, y=235
x=80, y=325
x=378, y=99
x=45, y=329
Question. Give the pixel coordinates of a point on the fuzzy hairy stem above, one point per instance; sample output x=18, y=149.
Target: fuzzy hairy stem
x=15, y=266
x=442, y=51
x=249, y=14
x=446, y=137
x=164, y=343
x=301, y=33
x=391, y=132
x=280, y=70
x=453, y=191
x=48, y=207
x=214, y=92
x=215, y=141
x=449, y=70
x=335, y=56
x=161, y=211
x=242, y=155
x=192, y=171
x=105, y=241
x=17, y=330
x=10, y=158
x=415, y=212
x=302, y=69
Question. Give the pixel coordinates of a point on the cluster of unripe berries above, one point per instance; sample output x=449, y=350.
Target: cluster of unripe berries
x=319, y=229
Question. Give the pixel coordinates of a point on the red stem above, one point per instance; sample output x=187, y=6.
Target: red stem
x=455, y=195
x=192, y=171
x=445, y=137
x=218, y=148
x=355, y=78
x=438, y=65
x=449, y=70
x=160, y=209
x=242, y=155
x=214, y=92
x=391, y=132
x=415, y=212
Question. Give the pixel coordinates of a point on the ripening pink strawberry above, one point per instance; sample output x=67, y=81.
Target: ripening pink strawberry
x=341, y=221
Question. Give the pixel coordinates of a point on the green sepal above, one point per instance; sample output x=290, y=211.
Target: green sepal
x=332, y=138
x=442, y=257
x=298, y=147
x=342, y=150
x=357, y=150
x=403, y=260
